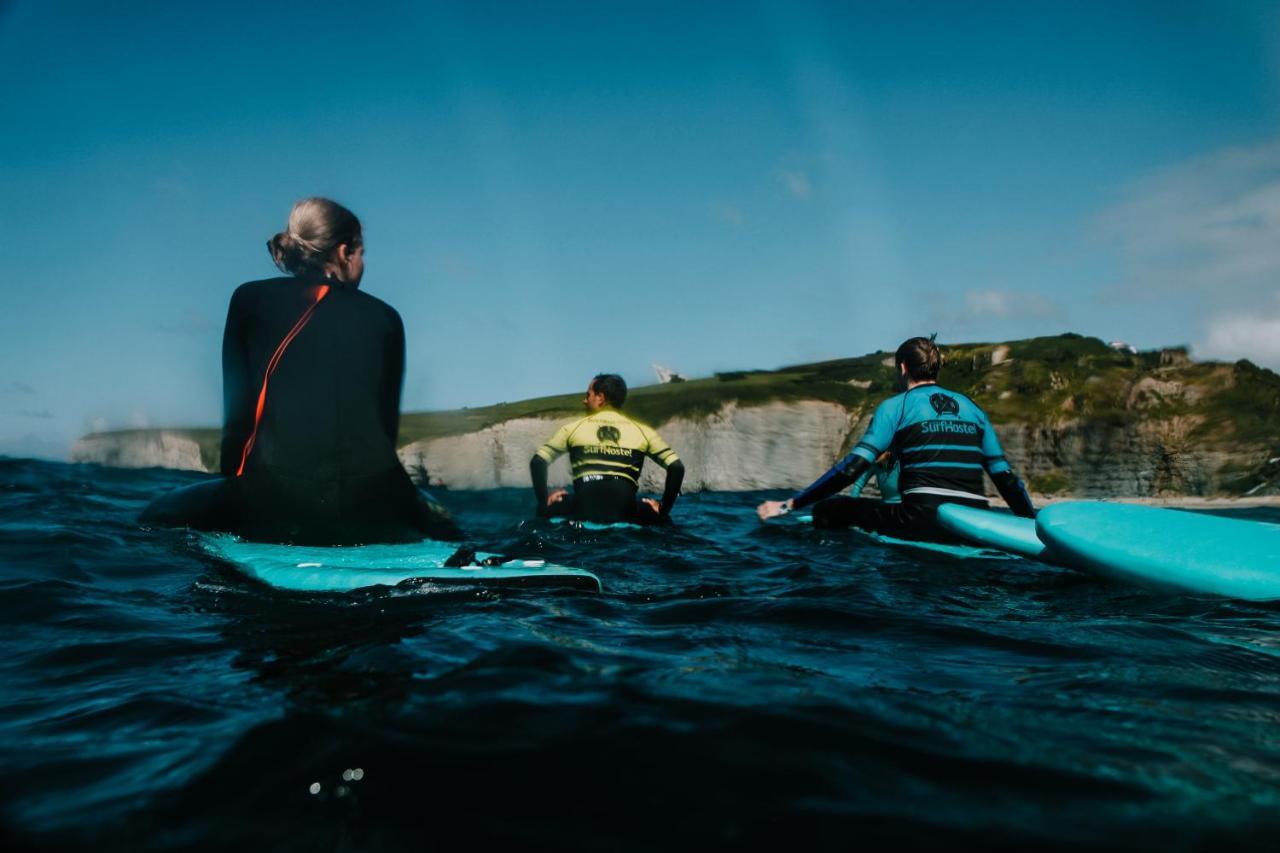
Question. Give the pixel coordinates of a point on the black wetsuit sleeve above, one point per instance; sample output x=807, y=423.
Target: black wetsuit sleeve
x=538, y=473
x=1014, y=494
x=845, y=473
x=238, y=399
x=675, y=476
x=393, y=383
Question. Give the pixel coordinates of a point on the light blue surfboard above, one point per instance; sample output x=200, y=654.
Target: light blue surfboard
x=317, y=569
x=995, y=530
x=595, y=525
x=1168, y=548
x=955, y=550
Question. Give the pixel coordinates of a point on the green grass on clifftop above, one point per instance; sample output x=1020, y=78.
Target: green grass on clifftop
x=1041, y=381
x=656, y=404
x=1045, y=380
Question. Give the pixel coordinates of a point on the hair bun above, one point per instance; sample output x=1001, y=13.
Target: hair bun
x=284, y=251
x=325, y=224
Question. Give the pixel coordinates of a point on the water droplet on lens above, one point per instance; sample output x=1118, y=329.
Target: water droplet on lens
x=357, y=774
x=315, y=788
x=347, y=775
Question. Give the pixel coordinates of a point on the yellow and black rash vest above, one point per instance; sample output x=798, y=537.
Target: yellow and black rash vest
x=607, y=443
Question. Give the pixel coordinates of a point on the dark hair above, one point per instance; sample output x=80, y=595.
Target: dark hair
x=922, y=358
x=612, y=386
x=316, y=227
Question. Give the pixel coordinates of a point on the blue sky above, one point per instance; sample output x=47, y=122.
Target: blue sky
x=553, y=190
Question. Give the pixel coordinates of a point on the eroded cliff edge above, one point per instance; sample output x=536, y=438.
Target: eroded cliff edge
x=1076, y=417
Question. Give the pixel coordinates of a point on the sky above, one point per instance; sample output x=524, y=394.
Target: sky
x=554, y=190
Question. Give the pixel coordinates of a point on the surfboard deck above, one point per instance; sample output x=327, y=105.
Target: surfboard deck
x=595, y=525
x=1167, y=548
x=318, y=569
x=994, y=529
x=954, y=550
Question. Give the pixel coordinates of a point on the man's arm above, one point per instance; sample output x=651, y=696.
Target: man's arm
x=876, y=440
x=1001, y=473
x=845, y=473
x=675, y=476
x=542, y=459
x=659, y=451
x=538, y=473
x=1014, y=494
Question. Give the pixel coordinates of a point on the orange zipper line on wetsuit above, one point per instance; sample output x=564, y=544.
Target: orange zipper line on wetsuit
x=321, y=292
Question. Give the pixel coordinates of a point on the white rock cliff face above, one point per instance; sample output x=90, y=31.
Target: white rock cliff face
x=494, y=457
x=775, y=446
x=786, y=446
x=140, y=450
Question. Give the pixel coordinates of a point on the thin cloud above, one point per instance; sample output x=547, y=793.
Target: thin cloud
x=1209, y=225
x=1235, y=335
x=17, y=387
x=42, y=414
x=982, y=307
x=796, y=183
x=728, y=213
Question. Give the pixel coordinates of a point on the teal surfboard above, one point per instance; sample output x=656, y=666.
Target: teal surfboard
x=315, y=569
x=993, y=529
x=1167, y=548
x=964, y=551
x=954, y=550
x=594, y=525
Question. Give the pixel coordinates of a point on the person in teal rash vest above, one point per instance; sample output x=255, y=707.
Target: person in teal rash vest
x=943, y=442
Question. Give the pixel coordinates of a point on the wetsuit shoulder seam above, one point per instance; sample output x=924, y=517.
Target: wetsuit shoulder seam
x=574, y=427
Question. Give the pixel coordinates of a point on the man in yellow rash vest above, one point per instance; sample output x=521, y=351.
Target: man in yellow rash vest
x=606, y=451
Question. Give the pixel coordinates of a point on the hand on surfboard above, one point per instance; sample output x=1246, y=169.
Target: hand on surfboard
x=773, y=509
x=557, y=496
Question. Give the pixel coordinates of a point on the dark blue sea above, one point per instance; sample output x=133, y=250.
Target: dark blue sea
x=735, y=686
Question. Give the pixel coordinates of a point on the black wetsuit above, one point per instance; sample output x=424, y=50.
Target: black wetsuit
x=319, y=465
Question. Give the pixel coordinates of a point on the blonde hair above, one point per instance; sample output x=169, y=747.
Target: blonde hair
x=316, y=227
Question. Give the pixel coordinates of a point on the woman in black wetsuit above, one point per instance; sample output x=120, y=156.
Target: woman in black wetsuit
x=312, y=369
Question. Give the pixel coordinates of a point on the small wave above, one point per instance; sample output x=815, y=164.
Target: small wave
x=734, y=685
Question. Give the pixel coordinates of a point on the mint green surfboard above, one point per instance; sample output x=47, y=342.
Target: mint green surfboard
x=994, y=529
x=1167, y=548
x=317, y=569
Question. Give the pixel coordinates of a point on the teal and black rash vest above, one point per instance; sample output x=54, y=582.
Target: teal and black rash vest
x=944, y=443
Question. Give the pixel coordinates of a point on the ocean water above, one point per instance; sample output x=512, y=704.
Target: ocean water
x=734, y=686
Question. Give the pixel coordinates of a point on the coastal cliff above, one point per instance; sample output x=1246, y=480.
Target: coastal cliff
x=145, y=448
x=1076, y=418
x=771, y=446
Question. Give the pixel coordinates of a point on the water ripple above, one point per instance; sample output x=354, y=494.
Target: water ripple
x=733, y=686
